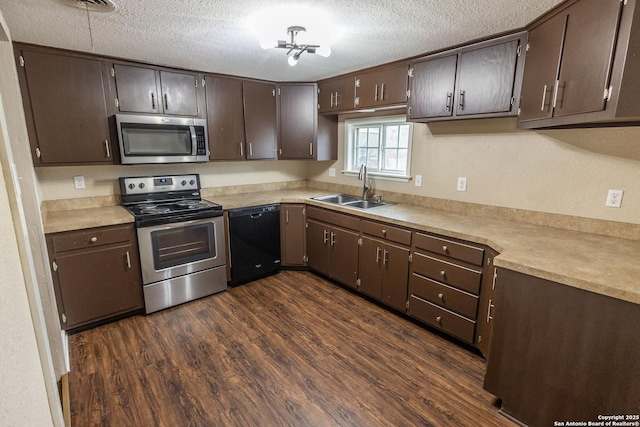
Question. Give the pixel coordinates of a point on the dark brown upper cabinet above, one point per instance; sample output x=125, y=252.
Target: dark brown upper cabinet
x=149, y=90
x=479, y=80
x=582, y=66
x=260, y=120
x=65, y=107
x=381, y=87
x=336, y=95
x=225, y=120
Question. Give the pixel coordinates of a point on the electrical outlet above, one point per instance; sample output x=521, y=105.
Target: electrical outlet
x=614, y=198
x=418, y=181
x=78, y=181
x=462, y=183
x=332, y=172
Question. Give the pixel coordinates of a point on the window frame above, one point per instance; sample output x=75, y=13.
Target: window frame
x=383, y=121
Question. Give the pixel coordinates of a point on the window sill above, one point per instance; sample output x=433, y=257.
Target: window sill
x=382, y=176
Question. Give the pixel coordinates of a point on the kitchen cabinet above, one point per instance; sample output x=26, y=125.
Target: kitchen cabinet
x=292, y=229
x=444, y=284
x=260, y=120
x=582, y=65
x=479, y=80
x=65, y=107
x=302, y=134
x=332, y=244
x=96, y=274
x=383, y=263
x=486, y=305
x=562, y=353
x=225, y=118
x=336, y=95
x=147, y=89
x=382, y=87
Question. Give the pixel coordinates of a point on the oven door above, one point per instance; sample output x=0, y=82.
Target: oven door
x=172, y=250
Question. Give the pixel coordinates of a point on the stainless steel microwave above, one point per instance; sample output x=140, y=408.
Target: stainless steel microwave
x=161, y=139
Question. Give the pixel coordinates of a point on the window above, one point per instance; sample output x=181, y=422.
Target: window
x=381, y=143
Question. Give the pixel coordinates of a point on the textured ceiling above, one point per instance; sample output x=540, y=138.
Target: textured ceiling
x=215, y=35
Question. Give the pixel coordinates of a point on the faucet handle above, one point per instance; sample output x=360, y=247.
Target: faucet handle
x=377, y=198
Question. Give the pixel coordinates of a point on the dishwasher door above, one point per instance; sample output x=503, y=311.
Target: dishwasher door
x=254, y=242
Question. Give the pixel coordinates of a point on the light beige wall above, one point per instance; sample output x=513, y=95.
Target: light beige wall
x=57, y=182
x=548, y=171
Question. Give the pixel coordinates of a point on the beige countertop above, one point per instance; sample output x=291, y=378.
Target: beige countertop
x=601, y=264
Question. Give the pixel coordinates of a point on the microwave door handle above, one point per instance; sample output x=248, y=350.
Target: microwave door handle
x=194, y=141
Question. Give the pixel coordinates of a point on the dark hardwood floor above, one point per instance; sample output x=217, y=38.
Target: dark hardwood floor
x=288, y=350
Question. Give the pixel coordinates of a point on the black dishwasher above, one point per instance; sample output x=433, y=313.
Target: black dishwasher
x=254, y=242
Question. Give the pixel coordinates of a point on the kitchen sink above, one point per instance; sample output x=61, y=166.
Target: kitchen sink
x=350, y=201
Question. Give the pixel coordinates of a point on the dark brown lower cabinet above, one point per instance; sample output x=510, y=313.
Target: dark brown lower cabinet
x=96, y=274
x=292, y=239
x=560, y=353
x=486, y=305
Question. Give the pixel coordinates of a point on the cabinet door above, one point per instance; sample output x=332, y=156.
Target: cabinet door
x=179, y=93
x=541, y=69
x=432, y=86
x=382, y=87
x=486, y=310
x=485, y=79
x=297, y=120
x=336, y=94
x=260, y=120
x=318, y=246
x=99, y=283
x=590, y=37
x=68, y=108
x=395, y=265
x=344, y=256
x=225, y=122
x=137, y=89
x=292, y=226
x=370, y=267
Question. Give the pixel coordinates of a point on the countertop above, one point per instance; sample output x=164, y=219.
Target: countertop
x=605, y=265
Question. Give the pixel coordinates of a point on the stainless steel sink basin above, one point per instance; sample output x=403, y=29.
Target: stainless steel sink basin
x=350, y=201
x=365, y=204
x=338, y=199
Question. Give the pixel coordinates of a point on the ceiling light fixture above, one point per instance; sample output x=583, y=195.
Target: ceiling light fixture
x=295, y=49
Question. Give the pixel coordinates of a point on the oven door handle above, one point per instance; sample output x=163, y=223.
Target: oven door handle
x=194, y=141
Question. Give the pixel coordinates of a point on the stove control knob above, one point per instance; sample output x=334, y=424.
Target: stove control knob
x=192, y=182
x=131, y=186
x=141, y=185
x=184, y=182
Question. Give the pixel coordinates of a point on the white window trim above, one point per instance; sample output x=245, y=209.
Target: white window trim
x=348, y=143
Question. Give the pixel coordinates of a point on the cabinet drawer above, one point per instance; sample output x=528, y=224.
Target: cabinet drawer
x=386, y=231
x=448, y=273
x=445, y=296
x=95, y=237
x=442, y=319
x=461, y=251
x=334, y=218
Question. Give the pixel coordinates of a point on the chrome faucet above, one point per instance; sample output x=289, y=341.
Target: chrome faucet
x=366, y=181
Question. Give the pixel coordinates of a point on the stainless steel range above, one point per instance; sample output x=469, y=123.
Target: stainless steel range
x=180, y=236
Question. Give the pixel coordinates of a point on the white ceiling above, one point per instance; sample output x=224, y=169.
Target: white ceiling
x=214, y=36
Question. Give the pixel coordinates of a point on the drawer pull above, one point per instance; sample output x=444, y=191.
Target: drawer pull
x=439, y=319
x=377, y=255
x=384, y=232
x=445, y=249
x=128, y=260
x=94, y=239
x=443, y=273
x=325, y=236
x=333, y=239
x=441, y=296
x=489, y=316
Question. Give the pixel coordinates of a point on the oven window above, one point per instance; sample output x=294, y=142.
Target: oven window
x=178, y=246
x=148, y=140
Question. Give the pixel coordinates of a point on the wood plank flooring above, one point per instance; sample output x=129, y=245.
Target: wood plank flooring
x=288, y=350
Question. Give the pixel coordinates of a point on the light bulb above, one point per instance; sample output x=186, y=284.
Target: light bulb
x=293, y=60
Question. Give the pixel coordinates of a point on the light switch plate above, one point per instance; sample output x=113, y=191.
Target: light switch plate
x=418, y=181
x=78, y=181
x=462, y=183
x=332, y=171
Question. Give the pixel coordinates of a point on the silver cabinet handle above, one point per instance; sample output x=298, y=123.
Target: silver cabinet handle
x=382, y=92
x=106, y=147
x=336, y=100
x=331, y=100
x=153, y=101
x=94, y=239
x=384, y=232
x=286, y=215
x=376, y=95
x=441, y=296
x=443, y=273
x=241, y=150
x=250, y=150
x=385, y=257
x=449, y=101
x=461, y=101
x=439, y=319
x=333, y=238
x=489, y=317
x=445, y=249
x=377, y=255
x=325, y=237
x=311, y=149
x=544, y=97
x=166, y=102
x=128, y=260
x=555, y=93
